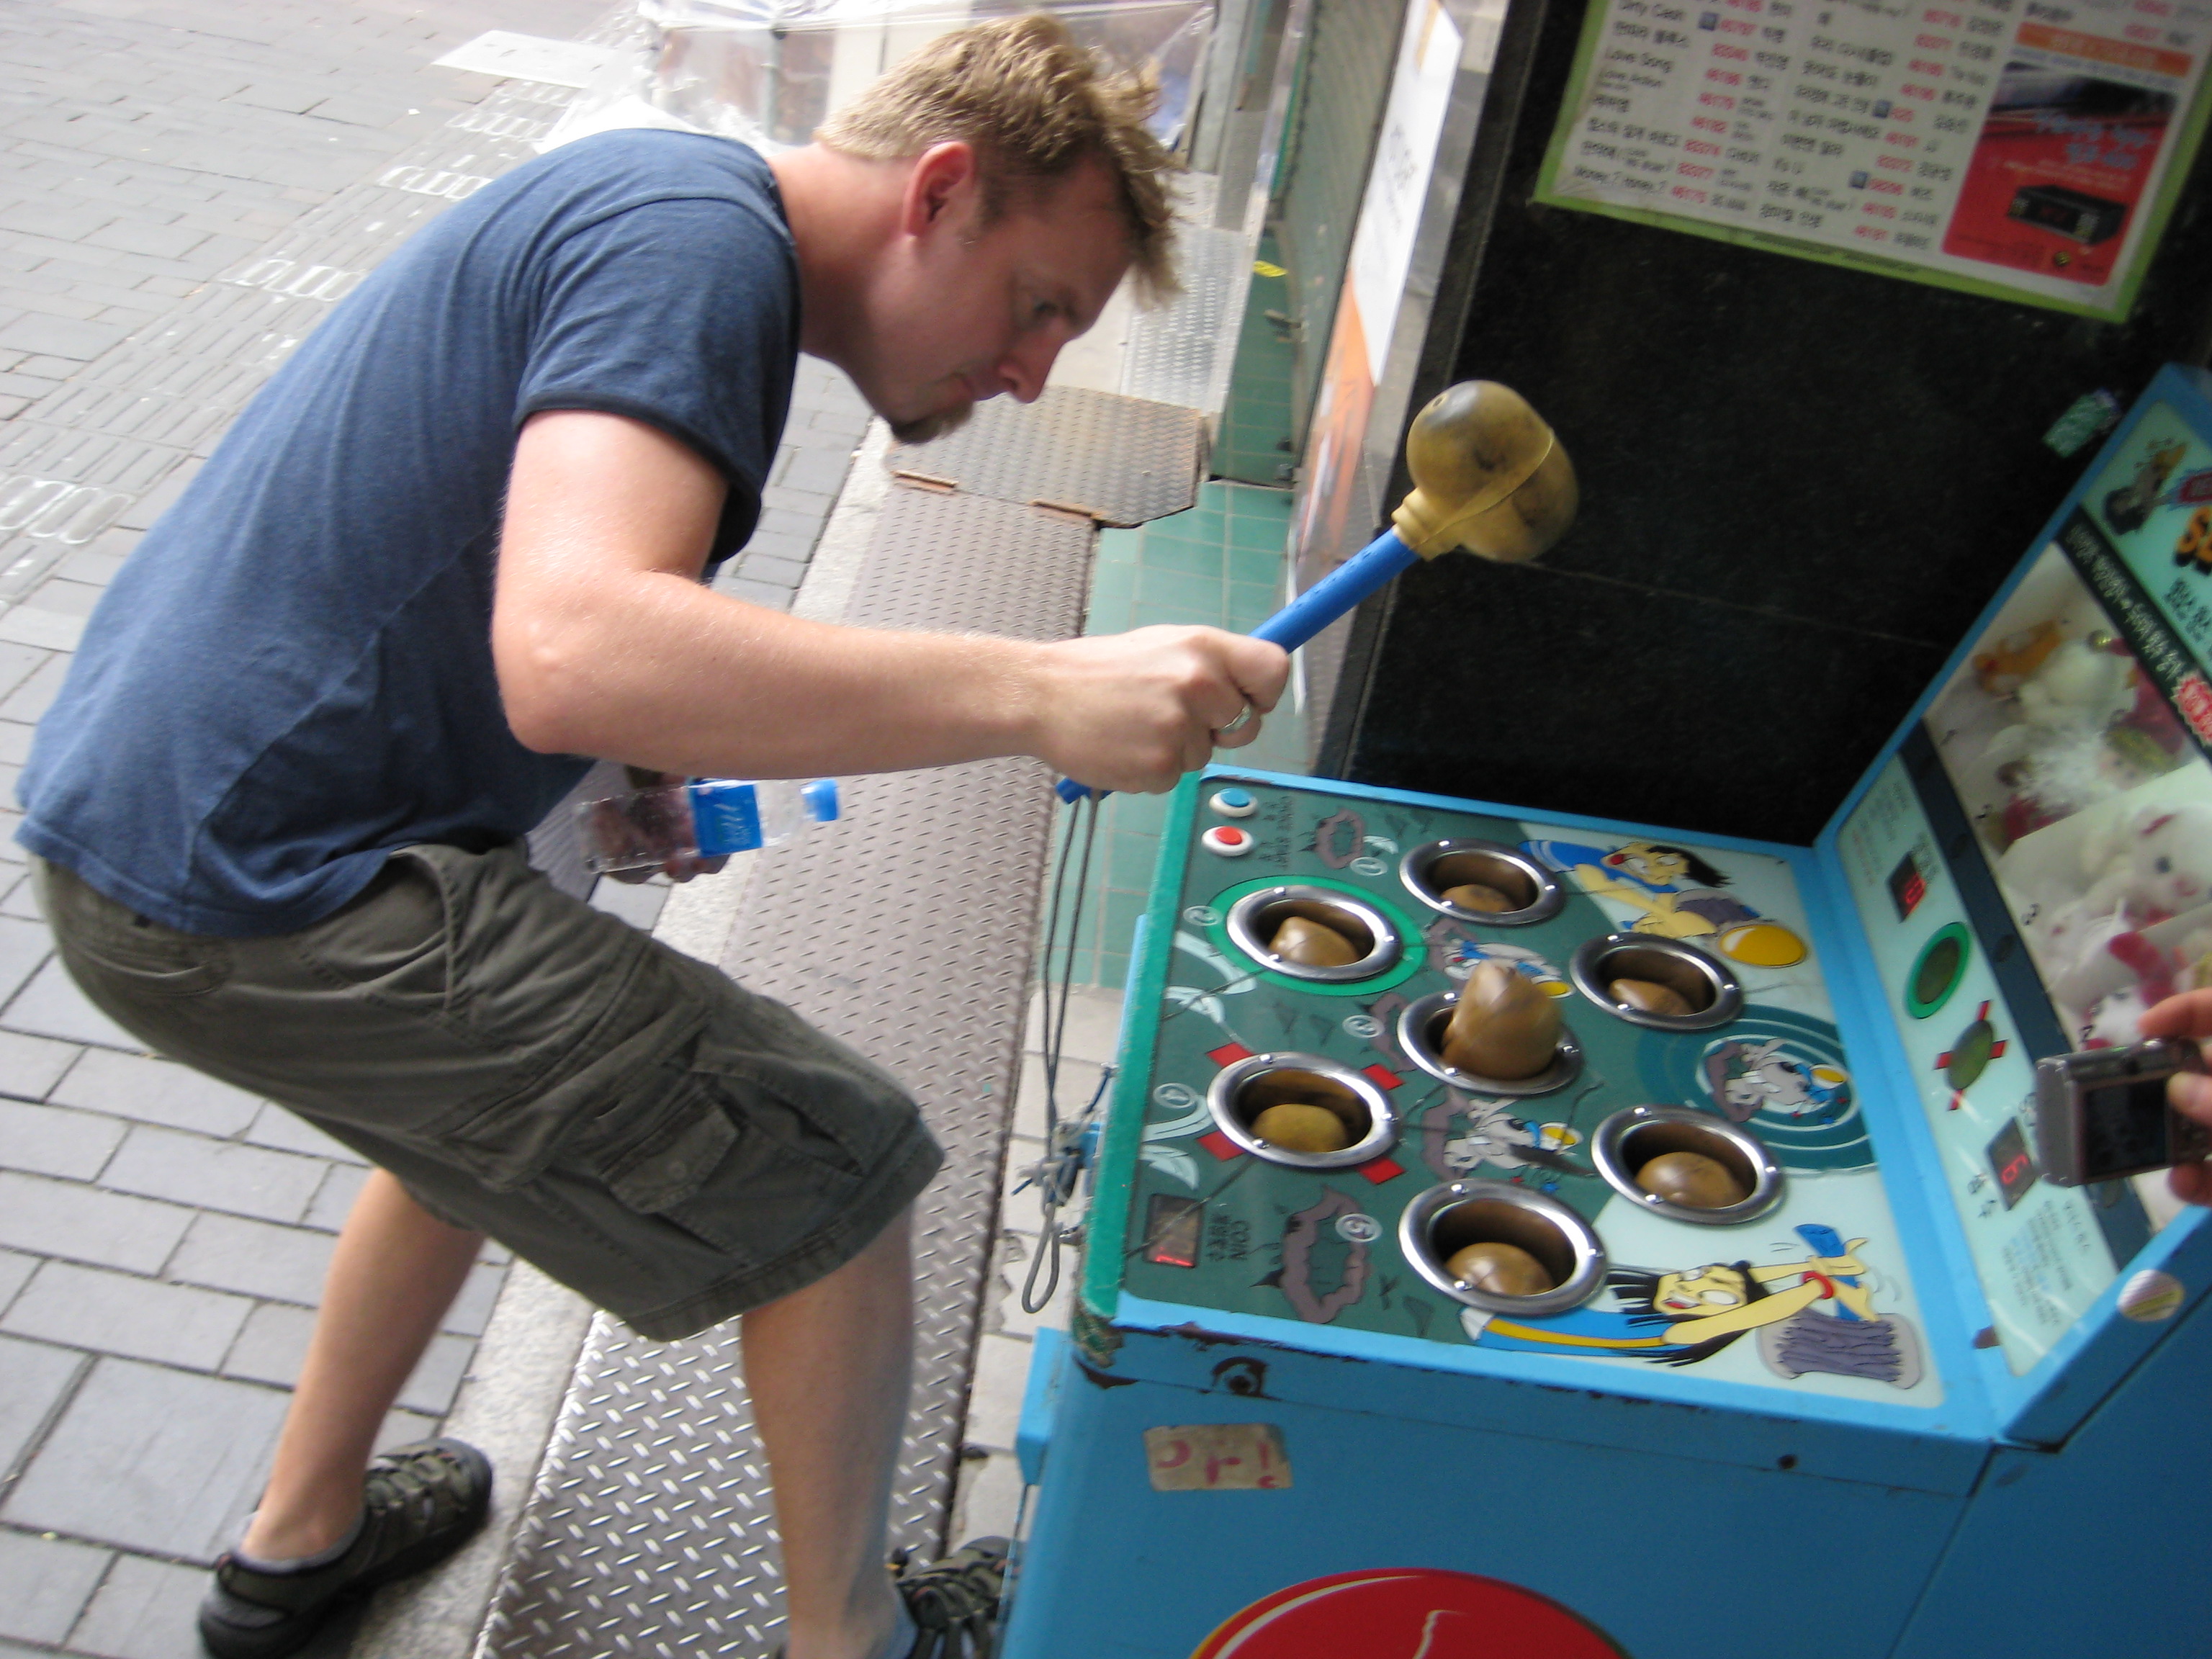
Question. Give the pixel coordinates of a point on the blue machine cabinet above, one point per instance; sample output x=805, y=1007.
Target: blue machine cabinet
x=1897, y=1395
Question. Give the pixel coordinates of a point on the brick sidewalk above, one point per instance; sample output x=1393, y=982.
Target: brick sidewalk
x=163, y=1238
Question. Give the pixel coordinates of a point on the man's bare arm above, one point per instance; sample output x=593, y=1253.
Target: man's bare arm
x=606, y=644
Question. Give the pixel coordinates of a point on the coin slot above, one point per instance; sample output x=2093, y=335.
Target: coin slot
x=1302, y=1111
x=1661, y=983
x=1481, y=881
x=1686, y=1164
x=1501, y=1248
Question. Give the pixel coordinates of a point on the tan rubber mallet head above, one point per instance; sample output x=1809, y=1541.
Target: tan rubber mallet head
x=1489, y=475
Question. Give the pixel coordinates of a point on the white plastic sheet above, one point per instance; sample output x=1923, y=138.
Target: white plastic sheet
x=769, y=71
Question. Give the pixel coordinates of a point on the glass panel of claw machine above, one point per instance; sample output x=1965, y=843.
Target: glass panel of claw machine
x=2033, y=868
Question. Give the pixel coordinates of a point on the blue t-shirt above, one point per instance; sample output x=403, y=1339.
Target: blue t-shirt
x=292, y=675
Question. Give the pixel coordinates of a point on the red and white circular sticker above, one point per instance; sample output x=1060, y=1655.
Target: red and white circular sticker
x=1406, y=1612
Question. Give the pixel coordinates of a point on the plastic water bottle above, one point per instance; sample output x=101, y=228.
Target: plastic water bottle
x=705, y=818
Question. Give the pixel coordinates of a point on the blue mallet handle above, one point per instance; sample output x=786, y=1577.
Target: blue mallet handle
x=1317, y=607
x=1337, y=592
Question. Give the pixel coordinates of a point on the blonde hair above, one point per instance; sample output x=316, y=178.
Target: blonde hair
x=1036, y=106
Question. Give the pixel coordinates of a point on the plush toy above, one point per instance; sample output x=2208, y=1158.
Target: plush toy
x=2153, y=864
x=2001, y=670
x=2055, y=760
x=2160, y=972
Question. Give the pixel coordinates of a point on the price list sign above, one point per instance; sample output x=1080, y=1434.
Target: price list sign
x=2017, y=148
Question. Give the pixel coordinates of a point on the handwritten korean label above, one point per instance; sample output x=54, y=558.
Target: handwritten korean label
x=1218, y=1457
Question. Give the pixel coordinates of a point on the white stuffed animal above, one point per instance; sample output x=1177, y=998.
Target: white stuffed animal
x=2054, y=760
x=2153, y=863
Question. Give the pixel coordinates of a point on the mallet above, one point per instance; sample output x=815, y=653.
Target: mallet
x=1488, y=477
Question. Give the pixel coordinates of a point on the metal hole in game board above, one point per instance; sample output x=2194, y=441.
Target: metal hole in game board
x=1346, y=938
x=1661, y=984
x=1627, y=1147
x=1421, y=1034
x=1323, y=1097
x=1481, y=881
x=1442, y=1223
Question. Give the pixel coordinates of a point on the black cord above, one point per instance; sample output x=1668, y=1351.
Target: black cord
x=1056, y=1174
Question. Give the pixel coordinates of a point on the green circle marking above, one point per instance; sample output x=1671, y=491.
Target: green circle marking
x=1412, y=951
x=1941, y=966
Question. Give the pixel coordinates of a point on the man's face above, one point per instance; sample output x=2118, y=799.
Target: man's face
x=967, y=312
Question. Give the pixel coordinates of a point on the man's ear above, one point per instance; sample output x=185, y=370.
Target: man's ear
x=945, y=177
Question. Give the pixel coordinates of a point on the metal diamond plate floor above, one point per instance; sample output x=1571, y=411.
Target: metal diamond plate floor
x=905, y=930
x=1122, y=460
x=1182, y=352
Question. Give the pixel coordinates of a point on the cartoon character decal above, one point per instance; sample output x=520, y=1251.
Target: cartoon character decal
x=1813, y=1314
x=1459, y=953
x=1747, y=1078
x=2129, y=507
x=1680, y=897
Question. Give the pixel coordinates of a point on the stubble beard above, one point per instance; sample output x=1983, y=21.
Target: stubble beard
x=936, y=424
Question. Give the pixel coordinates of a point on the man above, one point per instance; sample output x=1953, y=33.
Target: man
x=457, y=544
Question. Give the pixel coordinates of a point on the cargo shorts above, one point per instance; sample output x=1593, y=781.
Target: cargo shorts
x=670, y=1146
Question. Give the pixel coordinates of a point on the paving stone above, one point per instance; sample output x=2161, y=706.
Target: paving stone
x=287, y=1132
x=55, y=1140
x=17, y=661
x=151, y=1459
x=638, y=903
x=437, y=1376
x=60, y=336
x=820, y=470
x=33, y=1378
x=90, y=565
x=229, y=1253
x=752, y=593
x=45, y=1584
x=334, y=1198
x=214, y=1174
x=155, y=1091
x=471, y=1308
x=23, y=946
x=779, y=573
x=54, y=220
x=50, y=1005
x=84, y=1223
x=142, y=1609
x=271, y=1346
x=51, y=367
x=15, y=1268
x=405, y=1428
x=21, y=902
x=64, y=597
x=116, y=1313
x=29, y=1066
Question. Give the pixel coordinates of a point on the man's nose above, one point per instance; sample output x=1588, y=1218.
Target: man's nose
x=1023, y=370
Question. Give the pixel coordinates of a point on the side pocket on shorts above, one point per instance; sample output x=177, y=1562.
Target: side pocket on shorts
x=127, y=956
x=668, y=1156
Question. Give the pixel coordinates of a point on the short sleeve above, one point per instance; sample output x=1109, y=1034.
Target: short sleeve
x=681, y=313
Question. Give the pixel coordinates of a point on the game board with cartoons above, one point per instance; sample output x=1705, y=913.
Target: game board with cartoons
x=1811, y=1293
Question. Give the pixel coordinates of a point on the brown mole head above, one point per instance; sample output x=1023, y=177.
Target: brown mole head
x=1297, y=1126
x=1500, y=1269
x=1505, y=1026
x=1693, y=1180
x=1312, y=944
